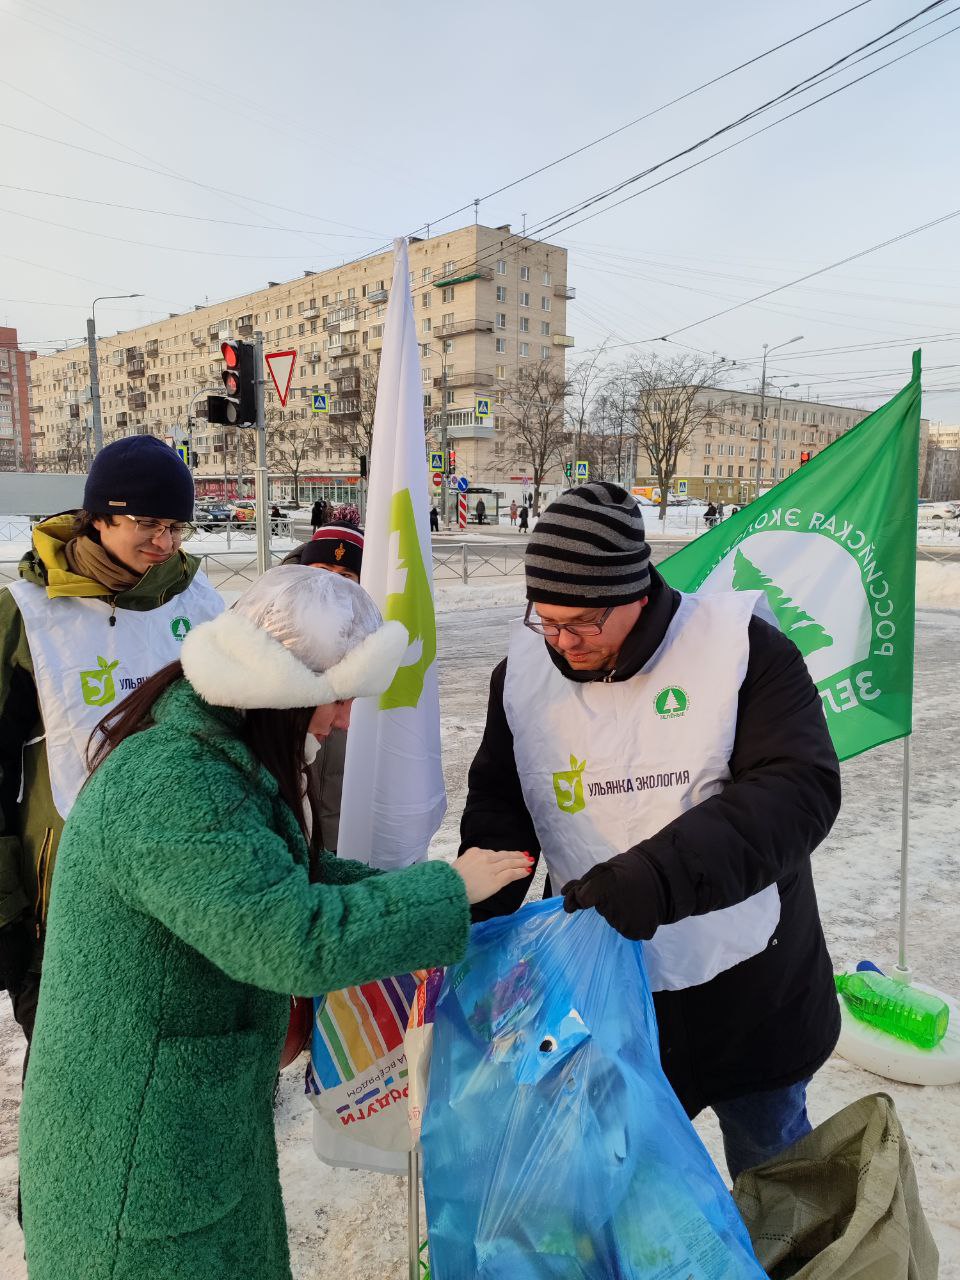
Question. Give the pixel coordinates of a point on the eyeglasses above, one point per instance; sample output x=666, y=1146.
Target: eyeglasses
x=179, y=530
x=552, y=629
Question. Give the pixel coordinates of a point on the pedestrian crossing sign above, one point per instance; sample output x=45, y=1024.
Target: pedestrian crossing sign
x=320, y=402
x=184, y=452
x=482, y=406
x=681, y=488
x=436, y=460
x=583, y=470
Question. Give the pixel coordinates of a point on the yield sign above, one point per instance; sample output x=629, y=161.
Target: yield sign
x=280, y=364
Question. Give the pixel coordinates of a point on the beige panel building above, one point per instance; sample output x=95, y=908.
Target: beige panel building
x=486, y=302
x=947, y=437
x=731, y=451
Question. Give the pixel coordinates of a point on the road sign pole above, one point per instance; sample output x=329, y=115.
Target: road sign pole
x=443, y=450
x=260, y=474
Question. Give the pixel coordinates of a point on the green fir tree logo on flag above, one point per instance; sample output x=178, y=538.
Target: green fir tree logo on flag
x=805, y=632
x=833, y=550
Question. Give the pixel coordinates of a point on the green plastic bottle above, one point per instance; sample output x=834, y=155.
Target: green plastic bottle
x=900, y=1010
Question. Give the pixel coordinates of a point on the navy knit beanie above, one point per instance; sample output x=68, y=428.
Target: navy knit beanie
x=139, y=476
x=589, y=549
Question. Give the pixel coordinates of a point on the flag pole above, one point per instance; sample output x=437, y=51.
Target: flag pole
x=413, y=1214
x=902, y=969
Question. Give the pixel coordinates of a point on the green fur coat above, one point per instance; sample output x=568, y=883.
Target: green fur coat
x=181, y=918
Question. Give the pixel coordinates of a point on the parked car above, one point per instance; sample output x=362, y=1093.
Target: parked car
x=244, y=511
x=938, y=511
x=210, y=514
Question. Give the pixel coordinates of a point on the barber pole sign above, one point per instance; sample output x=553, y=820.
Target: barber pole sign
x=462, y=510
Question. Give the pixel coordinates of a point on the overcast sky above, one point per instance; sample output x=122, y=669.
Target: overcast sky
x=336, y=127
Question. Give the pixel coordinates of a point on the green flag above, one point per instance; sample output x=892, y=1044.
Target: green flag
x=833, y=548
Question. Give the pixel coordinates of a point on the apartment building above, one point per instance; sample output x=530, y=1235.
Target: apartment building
x=486, y=302
x=732, y=451
x=944, y=435
x=16, y=444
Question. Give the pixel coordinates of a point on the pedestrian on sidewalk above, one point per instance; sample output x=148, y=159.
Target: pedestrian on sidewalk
x=106, y=596
x=184, y=910
x=524, y=518
x=335, y=549
x=697, y=777
x=513, y=512
x=434, y=519
x=481, y=510
x=318, y=513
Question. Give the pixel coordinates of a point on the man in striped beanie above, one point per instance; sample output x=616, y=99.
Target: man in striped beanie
x=668, y=757
x=588, y=559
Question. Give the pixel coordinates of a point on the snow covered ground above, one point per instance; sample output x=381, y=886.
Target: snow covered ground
x=352, y=1225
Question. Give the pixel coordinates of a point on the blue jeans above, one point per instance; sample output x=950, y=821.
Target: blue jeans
x=758, y=1126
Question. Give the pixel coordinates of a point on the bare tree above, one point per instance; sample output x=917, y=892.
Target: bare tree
x=614, y=412
x=70, y=458
x=585, y=382
x=352, y=426
x=669, y=405
x=534, y=405
x=291, y=443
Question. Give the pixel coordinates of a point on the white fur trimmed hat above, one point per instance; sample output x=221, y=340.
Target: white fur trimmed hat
x=297, y=638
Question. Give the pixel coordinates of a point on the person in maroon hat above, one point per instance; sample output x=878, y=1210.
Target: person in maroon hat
x=337, y=548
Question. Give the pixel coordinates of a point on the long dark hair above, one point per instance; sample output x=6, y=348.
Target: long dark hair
x=274, y=737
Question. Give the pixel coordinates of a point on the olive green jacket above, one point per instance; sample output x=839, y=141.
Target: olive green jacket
x=182, y=916
x=30, y=825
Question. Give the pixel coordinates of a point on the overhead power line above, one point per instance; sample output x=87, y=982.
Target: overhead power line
x=647, y=115
x=810, y=275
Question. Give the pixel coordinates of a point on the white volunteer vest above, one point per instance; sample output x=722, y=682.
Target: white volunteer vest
x=82, y=666
x=604, y=766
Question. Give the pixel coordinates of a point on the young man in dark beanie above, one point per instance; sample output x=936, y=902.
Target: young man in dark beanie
x=668, y=757
x=105, y=599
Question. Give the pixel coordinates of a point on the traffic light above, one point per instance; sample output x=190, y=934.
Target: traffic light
x=451, y=461
x=238, y=407
x=568, y=470
x=805, y=457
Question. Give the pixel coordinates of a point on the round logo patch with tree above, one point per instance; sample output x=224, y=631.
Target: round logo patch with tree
x=671, y=703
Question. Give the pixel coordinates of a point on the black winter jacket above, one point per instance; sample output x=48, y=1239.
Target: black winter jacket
x=771, y=1020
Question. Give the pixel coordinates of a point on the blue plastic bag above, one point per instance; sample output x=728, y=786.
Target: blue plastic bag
x=553, y=1144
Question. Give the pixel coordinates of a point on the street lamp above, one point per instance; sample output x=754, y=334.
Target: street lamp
x=428, y=351
x=776, y=439
x=763, y=391
x=94, y=367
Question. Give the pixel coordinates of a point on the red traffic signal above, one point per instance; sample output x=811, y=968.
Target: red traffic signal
x=238, y=406
x=451, y=461
x=805, y=457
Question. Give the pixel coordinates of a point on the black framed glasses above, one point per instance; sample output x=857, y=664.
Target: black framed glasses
x=551, y=630
x=179, y=530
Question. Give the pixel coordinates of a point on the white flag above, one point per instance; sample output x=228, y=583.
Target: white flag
x=393, y=793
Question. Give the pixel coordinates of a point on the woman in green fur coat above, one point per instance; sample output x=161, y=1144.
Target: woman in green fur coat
x=187, y=903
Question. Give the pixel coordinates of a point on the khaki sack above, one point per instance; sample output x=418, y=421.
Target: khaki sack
x=842, y=1203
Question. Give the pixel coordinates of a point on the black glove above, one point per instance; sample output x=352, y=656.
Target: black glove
x=16, y=950
x=628, y=892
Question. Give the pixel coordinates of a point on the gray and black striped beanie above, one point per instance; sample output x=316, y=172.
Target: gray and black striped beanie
x=588, y=548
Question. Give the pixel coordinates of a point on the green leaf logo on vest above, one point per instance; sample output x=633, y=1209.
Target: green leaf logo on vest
x=568, y=787
x=412, y=605
x=671, y=703
x=97, y=686
x=180, y=627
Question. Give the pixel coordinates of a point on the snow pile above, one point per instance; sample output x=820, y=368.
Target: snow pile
x=938, y=585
